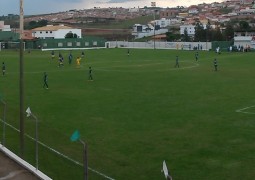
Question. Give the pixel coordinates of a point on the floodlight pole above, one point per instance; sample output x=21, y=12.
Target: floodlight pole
x=21, y=81
x=154, y=30
x=153, y=4
x=4, y=122
x=85, y=159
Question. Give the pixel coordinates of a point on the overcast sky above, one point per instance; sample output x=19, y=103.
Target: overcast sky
x=32, y=7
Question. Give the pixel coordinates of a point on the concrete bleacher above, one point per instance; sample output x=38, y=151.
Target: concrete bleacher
x=15, y=168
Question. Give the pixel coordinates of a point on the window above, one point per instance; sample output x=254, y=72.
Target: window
x=60, y=44
x=95, y=43
x=69, y=44
x=45, y=45
x=86, y=43
x=78, y=43
x=40, y=32
x=46, y=32
x=51, y=32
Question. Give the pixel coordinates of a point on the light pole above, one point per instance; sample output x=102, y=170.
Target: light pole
x=4, y=115
x=29, y=113
x=21, y=80
x=76, y=137
x=153, y=4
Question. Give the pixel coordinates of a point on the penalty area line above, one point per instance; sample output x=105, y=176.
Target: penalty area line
x=60, y=154
x=243, y=110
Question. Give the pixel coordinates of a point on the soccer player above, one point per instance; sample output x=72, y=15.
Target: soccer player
x=3, y=69
x=45, y=80
x=90, y=74
x=82, y=54
x=128, y=52
x=215, y=63
x=52, y=55
x=70, y=58
x=59, y=55
x=196, y=56
x=61, y=61
x=78, y=61
x=177, y=62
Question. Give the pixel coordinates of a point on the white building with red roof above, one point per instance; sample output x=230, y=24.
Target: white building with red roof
x=54, y=32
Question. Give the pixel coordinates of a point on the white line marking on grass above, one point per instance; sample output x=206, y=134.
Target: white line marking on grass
x=143, y=65
x=243, y=110
x=60, y=154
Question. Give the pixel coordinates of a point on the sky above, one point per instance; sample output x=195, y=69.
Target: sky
x=33, y=7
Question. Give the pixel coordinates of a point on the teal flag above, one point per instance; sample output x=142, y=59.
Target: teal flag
x=75, y=136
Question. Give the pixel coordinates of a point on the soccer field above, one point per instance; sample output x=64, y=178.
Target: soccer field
x=138, y=111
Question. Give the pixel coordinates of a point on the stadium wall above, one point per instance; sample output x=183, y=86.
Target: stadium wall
x=87, y=42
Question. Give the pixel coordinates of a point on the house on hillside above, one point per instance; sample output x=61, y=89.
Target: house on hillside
x=140, y=31
x=54, y=32
x=4, y=27
x=189, y=28
x=168, y=13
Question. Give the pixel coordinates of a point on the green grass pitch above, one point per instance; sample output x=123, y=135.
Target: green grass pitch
x=138, y=111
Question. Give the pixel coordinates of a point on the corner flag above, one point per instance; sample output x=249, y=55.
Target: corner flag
x=28, y=111
x=165, y=170
x=75, y=136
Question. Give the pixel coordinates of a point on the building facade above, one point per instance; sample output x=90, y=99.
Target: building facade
x=54, y=32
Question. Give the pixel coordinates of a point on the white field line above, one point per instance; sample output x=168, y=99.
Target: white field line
x=243, y=110
x=60, y=154
x=106, y=68
x=194, y=65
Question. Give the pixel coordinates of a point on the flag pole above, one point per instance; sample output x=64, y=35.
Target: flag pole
x=85, y=159
x=76, y=137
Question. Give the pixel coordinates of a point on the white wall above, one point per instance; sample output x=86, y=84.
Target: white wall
x=149, y=33
x=43, y=34
x=62, y=32
x=159, y=45
x=59, y=34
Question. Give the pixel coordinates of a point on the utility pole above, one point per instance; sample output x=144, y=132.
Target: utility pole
x=21, y=88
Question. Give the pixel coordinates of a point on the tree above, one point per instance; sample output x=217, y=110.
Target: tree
x=185, y=36
x=172, y=37
x=200, y=33
x=42, y=23
x=244, y=25
x=229, y=32
x=217, y=35
x=208, y=32
x=71, y=35
x=35, y=24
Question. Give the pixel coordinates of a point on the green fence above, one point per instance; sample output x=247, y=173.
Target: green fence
x=86, y=42
x=224, y=45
